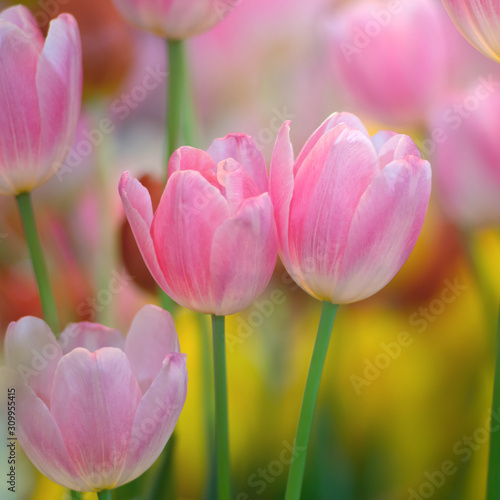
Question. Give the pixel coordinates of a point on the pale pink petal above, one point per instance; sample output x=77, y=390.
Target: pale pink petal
x=94, y=400
x=32, y=350
x=151, y=337
x=327, y=191
x=330, y=123
x=91, y=336
x=281, y=188
x=20, y=128
x=479, y=22
x=22, y=17
x=156, y=416
x=39, y=434
x=242, y=148
x=190, y=211
x=244, y=252
x=381, y=137
x=237, y=183
x=384, y=230
x=188, y=158
x=139, y=211
x=397, y=147
x=59, y=86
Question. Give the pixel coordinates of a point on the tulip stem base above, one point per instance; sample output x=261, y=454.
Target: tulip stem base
x=221, y=412
x=176, y=77
x=104, y=495
x=297, y=467
x=493, y=484
x=38, y=260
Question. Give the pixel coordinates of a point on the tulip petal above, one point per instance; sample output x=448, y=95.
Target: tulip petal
x=59, y=87
x=156, y=416
x=32, y=350
x=237, y=183
x=397, y=147
x=20, y=117
x=190, y=211
x=328, y=188
x=281, y=185
x=244, y=252
x=384, y=229
x=91, y=336
x=330, y=123
x=22, y=17
x=95, y=397
x=39, y=434
x=151, y=337
x=188, y=158
x=242, y=148
x=139, y=211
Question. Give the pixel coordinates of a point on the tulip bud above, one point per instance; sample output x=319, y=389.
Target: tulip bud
x=349, y=210
x=41, y=82
x=211, y=244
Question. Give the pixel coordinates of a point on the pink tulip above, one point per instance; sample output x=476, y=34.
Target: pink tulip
x=175, y=19
x=349, y=210
x=94, y=411
x=392, y=58
x=467, y=159
x=479, y=22
x=40, y=96
x=211, y=245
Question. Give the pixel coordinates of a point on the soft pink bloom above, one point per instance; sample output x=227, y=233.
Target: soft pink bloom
x=392, y=58
x=95, y=410
x=479, y=22
x=175, y=19
x=466, y=158
x=40, y=97
x=211, y=245
x=349, y=210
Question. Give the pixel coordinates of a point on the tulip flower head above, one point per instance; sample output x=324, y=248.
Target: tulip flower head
x=175, y=19
x=94, y=410
x=40, y=98
x=479, y=22
x=349, y=210
x=377, y=46
x=211, y=244
x=467, y=162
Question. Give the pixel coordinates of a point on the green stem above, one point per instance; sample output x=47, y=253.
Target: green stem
x=104, y=495
x=221, y=413
x=39, y=265
x=175, y=90
x=493, y=485
x=297, y=467
x=208, y=405
x=75, y=495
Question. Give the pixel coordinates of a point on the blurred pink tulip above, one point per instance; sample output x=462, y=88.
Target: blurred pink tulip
x=392, y=57
x=349, y=210
x=41, y=87
x=467, y=158
x=479, y=22
x=94, y=410
x=175, y=19
x=211, y=245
